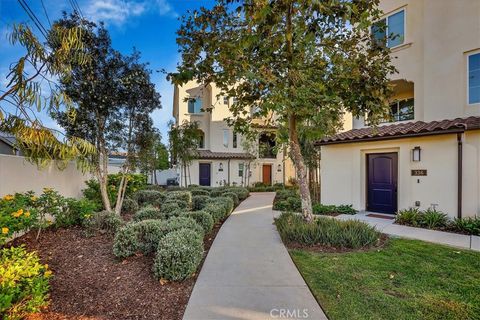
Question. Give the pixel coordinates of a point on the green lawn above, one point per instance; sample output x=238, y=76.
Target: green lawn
x=405, y=280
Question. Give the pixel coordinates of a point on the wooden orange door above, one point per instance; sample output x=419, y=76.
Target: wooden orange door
x=267, y=174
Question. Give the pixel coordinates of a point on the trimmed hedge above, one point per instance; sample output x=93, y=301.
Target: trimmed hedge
x=233, y=196
x=227, y=203
x=105, y=221
x=149, y=197
x=178, y=256
x=322, y=209
x=199, y=202
x=204, y=219
x=148, y=213
x=181, y=204
x=184, y=222
x=180, y=195
x=199, y=192
x=242, y=193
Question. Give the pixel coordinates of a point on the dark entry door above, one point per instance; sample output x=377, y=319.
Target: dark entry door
x=267, y=174
x=204, y=175
x=382, y=171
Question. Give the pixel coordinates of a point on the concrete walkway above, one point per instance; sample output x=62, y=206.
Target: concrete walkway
x=248, y=273
x=388, y=227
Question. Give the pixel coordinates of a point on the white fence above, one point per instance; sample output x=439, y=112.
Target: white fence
x=19, y=175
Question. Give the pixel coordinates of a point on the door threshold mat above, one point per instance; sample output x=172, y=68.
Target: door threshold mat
x=374, y=215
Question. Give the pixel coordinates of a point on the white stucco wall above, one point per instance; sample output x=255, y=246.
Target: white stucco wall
x=19, y=175
x=343, y=172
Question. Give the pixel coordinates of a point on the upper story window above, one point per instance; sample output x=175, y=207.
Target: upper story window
x=474, y=78
x=235, y=140
x=195, y=105
x=201, y=139
x=390, y=31
x=225, y=100
x=225, y=138
x=402, y=110
x=267, y=145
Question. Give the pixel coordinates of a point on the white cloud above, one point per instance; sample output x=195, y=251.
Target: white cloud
x=117, y=12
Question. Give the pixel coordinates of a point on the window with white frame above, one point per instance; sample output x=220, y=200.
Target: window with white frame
x=225, y=138
x=390, y=31
x=240, y=169
x=474, y=78
x=195, y=105
x=235, y=140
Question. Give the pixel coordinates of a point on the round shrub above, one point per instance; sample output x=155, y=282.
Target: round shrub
x=199, y=192
x=242, y=193
x=184, y=222
x=227, y=203
x=24, y=283
x=129, y=205
x=180, y=195
x=181, y=204
x=148, y=213
x=105, y=221
x=204, y=219
x=149, y=197
x=139, y=236
x=170, y=206
x=125, y=242
x=199, y=202
x=178, y=256
x=217, y=192
x=232, y=195
x=216, y=210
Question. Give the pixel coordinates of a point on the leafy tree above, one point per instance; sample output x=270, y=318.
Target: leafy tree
x=23, y=99
x=114, y=98
x=155, y=156
x=305, y=62
x=184, y=141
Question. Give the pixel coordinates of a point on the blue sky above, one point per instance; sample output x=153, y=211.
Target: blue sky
x=148, y=25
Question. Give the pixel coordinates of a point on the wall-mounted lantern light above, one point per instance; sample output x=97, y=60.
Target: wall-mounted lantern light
x=416, y=154
x=220, y=167
x=279, y=168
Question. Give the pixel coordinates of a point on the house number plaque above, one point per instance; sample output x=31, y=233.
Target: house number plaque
x=419, y=172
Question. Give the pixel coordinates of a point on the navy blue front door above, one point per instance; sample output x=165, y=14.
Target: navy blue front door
x=382, y=170
x=204, y=175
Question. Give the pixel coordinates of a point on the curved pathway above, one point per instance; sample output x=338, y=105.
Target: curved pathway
x=248, y=273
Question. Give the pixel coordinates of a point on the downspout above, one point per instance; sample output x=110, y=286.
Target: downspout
x=459, y=174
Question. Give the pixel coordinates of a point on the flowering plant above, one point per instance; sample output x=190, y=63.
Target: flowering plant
x=17, y=213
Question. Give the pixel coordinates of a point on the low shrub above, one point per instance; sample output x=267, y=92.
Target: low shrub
x=104, y=221
x=433, y=219
x=256, y=189
x=199, y=202
x=217, y=192
x=326, y=231
x=181, y=204
x=141, y=236
x=149, y=197
x=170, y=209
x=204, y=219
x=23, y=283
x=17, y=213
x=184, y=222
x=180, y=195
x=129, y=206
x=227, y=203
x=199, y=192
x=148, y=213
x=470, y=225
x=287, y=200
x=216, y=211
x=77, y=213
x=242, y=193
x=322, y=209
x=178, y=256
x=233, y=196
x=410, y=217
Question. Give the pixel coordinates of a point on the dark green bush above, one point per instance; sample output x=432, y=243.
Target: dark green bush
x=129, y=206
x=149, y=197
x=105, y=221
x=217, y=192
x=148, y=213
x=409, y=217
x=184, y=222
x=178, y=256
x=326, y=231
x=322, y=209
x=433, y=219
x=199, y=192
x=23, y=283
x=233, y=196
x=199, y=202
x=470, y=225
x=77, y=213
x=287, y=200
x=204, y=219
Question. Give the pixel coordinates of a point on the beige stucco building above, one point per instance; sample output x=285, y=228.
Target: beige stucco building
x=222, y=157
x=428, y=153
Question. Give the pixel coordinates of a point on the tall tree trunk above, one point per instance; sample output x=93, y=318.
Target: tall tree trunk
x=299, y=164
x=121, y=191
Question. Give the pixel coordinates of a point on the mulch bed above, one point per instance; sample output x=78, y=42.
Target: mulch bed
x=90, y=283
x=319, y=248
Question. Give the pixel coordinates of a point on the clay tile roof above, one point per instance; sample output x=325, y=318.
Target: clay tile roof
x=403, y=130
x=207, y=154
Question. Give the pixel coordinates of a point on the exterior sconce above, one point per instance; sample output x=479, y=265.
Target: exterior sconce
x=416, y=154
x=220, y=167
x=279, y=168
